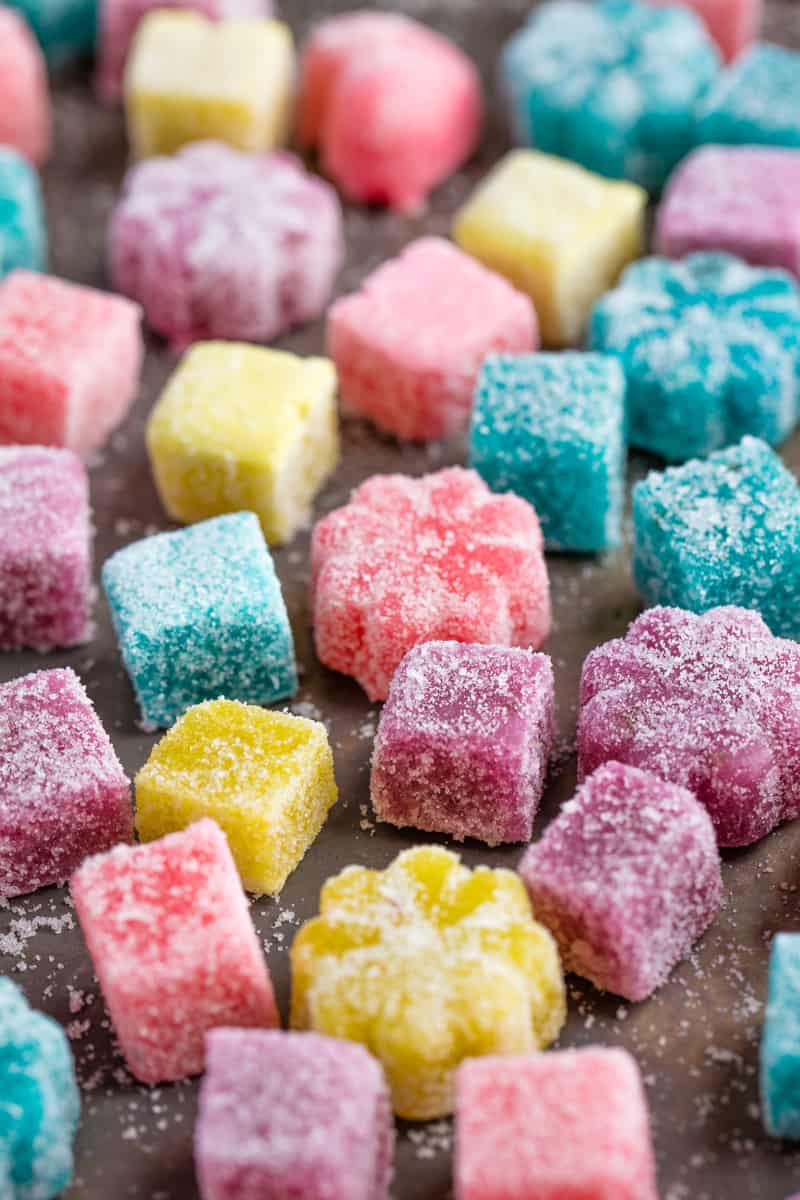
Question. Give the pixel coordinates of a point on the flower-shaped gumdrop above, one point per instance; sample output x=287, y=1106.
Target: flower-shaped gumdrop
x=711, y=703
x=710, y=348
x=418, y=560
x=612, y=85
x=426, y=964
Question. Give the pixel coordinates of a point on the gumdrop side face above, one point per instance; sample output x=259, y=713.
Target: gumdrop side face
x=25, y=116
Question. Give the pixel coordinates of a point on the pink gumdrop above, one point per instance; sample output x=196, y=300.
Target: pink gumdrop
x=733, y=24
x=25, y=119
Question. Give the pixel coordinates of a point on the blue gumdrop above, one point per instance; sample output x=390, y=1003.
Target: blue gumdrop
x=23, y=240
x=613, y=85
x=39, y=1104
x=755, y=101
x=710, y=348
x=780, y=1042
x=550, y=427
x=199, y=614
x=723, y=530
x=66, y=29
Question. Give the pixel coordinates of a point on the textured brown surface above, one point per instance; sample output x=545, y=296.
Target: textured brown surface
x=696, y=1040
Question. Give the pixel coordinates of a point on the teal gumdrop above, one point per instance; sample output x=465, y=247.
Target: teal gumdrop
x=199, y=614
x=722, y=530
x=710, y=348
x=612, y=85
x=755, y=101
x=66, y=29
x=550, y=427
x=780, y=1041
x=23, y=240
x=39, y=1105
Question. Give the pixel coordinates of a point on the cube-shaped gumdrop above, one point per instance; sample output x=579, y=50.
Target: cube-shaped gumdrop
x=551, y=428
x=199, y=614
x=735, y=198
x=556, y=231
x=189, y=78
x=63, y=792
x=69, y=362
x=265, y=777
x=754, y=101
x=419, y=560
x=25, y=107
x=427, y=963
x=23, y=240
x=722, y=530
x=216, y=243
x=780, y=1042
x=708, y=703
x=45, y=549
x=464, y=741
x=733, y=24
x=65, y=28
x=268, y=449
x=635, y=76
x=408, y=346
x=295, y=1115
x=626, y=878
x=173, y=947
x=548, y=1126
x=39, y=1101
x=710, y=349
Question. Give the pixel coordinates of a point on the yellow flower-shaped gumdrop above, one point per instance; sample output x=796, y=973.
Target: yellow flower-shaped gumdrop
x=427, y=963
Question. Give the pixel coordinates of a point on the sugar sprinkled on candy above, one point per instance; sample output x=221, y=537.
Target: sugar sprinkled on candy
x=23, y=236
x=24, y=99
x=754, y=101
x=780, y=1043
x=733, y=24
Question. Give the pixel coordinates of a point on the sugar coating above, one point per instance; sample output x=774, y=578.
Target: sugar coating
x=65, y=29
x=557, y=232
x=626, y=878
x=393, y=107
x=780, y=1041
x=612, y=85
x=551, y=428
x=170, y=936
x=572, y=1123
x=268, y=449
x=25, y=116
x=427, y=963
x=409, y=344
x=724, y=530
x=215, y=243
x=189, y=79
x=709, y=703
x=710, y=348
x=754, y=101
x=266, y=778
x=63, y=792
x=200, y=614
x=45, y=549
x=735, y=198
x=288, y=1114
x=733, y=24
x=417, y=560
x=39, y=1101
x=23, y=239
x=69, y=362
x=464, y=741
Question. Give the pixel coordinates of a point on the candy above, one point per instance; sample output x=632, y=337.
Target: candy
x=69, y=362
x=464, y=741
x=573, y=1123
x=65, y=28
x=427, y=963
x=286, y=1114
x=22, y=222
x=754, y=101
x=173, y=947
x=612, y=85
x=199, y=614
x=710, y=349
x=269, y=448
x=408, y=346
x=733, y=24
x=418, y=560
x=780, y=1043
x=709, y=703
x=39, y=1101
x=63, y=793
x=735, y=198
x=381, y=137
x=725, y=530
x=551, y=428
x=559, y=233
x=45, y=549
x=626, y=878
x=25, y=101
x=279, y=226
x=189, y=79
x=265, y=777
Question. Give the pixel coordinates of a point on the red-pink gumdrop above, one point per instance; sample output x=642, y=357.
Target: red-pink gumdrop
x=25, y=119
x=733, y=24
x=439, y=558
